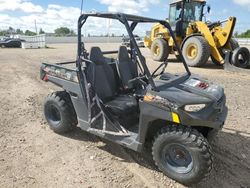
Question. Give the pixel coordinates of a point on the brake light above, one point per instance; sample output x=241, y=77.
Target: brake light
x=46, y=78
x=203, y=85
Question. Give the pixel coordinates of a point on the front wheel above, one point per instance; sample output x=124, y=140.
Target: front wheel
x=196, y=51
x=183, y=154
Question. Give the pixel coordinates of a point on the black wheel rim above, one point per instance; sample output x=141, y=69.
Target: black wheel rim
x=177, y=158
x=53, y=114
x=242, y=59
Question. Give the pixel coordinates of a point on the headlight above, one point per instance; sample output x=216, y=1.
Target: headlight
x=194, y=108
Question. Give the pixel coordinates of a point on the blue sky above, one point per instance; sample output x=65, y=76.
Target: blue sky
x=50, y=14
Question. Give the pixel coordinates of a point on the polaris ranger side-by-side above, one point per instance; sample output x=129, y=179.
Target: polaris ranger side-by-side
x=121, y=101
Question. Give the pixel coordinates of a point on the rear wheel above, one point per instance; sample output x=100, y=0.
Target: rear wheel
x=59, y=112
x=196, y=51
x=160, y=50
x=183, y=154
x=234, y=44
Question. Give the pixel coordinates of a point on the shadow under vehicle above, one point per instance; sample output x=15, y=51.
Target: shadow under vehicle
x=121, y=101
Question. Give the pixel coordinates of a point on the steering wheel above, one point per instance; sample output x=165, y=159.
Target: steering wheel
x=163, y=66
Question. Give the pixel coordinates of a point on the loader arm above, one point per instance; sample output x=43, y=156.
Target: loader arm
x=205, y=31
x=224, y=34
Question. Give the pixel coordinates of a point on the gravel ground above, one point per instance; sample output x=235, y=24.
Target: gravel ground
x=31, y=155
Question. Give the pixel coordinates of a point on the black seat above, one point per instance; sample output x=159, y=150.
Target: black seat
x=127, y=69
x=101, y=75
x=122, y=105
x=102, y=79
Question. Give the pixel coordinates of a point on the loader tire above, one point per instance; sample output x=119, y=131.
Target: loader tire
x=241, y=57
x=234, y=44
x=183, y=154
x=59, y=112
x=196, y=51
x=160, y=50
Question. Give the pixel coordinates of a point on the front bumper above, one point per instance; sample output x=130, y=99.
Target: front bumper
x=213, y=116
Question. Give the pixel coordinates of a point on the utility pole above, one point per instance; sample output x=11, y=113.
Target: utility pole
x=36, y=27
x=81, y=7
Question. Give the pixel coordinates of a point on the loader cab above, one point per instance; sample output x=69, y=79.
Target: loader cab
x=181, y=13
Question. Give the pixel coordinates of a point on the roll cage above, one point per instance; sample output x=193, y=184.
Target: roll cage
x=82, y=55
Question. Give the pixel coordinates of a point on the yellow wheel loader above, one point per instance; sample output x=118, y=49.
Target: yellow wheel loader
x=198, y=40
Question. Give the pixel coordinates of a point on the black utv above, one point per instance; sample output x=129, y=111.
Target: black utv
x=121, y=101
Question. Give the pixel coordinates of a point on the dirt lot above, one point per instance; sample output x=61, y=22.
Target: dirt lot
x=31, y=155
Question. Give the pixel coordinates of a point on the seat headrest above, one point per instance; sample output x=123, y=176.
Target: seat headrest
x=96, y=56
x=123, y=54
